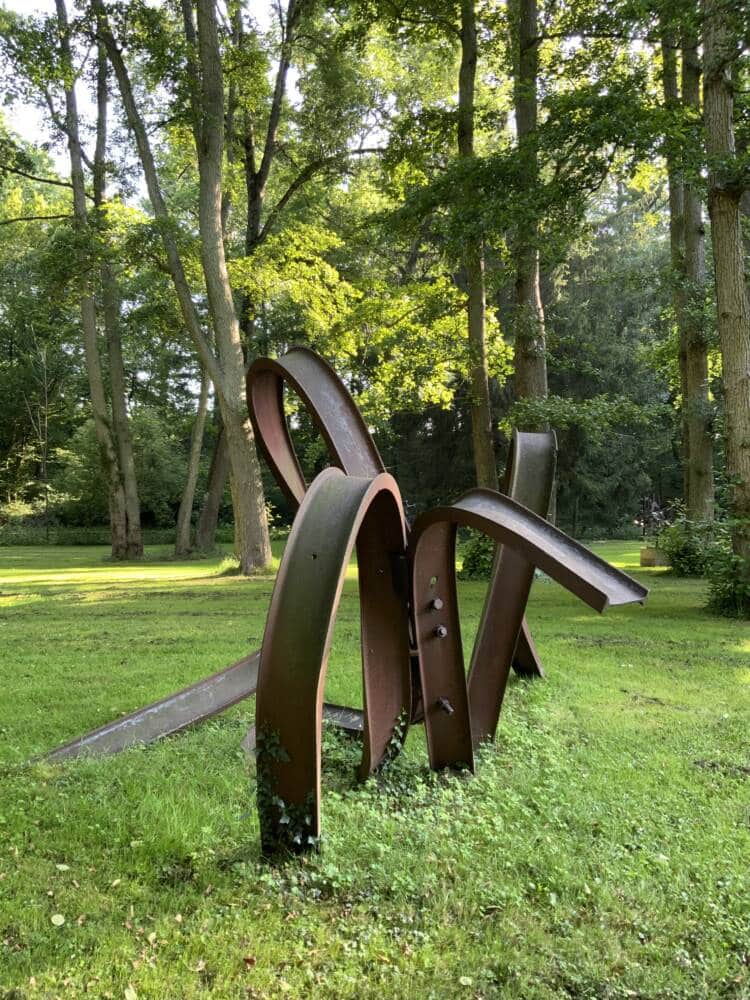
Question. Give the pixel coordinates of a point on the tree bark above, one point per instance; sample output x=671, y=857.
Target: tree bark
x=529, y=323
x=99, y=407
x=251, y=526
x=733, y=305
x=700, y=493
x=225, y=368
x=111, y=311
x=205, y=532
x=182, y=541
x=480, y=409
x=676, y=186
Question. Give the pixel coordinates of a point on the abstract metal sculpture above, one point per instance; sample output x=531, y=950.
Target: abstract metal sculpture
x=412, y=657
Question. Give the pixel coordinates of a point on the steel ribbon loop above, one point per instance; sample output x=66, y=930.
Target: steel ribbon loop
x=336, y=512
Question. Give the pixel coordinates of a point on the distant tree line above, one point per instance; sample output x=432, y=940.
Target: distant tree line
x=486, y=215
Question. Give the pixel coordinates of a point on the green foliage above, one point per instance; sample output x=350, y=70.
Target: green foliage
x=606, y=446
x=478, y=554
x=21, y=533
x=160, y=468
x=728, y=578
x=687, y=543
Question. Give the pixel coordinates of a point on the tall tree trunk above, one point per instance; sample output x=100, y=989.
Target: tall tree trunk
x=111, y=311
x=677, y=247
x=481, y=412
x=205, y=532
x=99, y=408
x=251, y=527
x=733, y=305
x=700, y=494
x=529, y=325
x=185, y=513
x=226, y=369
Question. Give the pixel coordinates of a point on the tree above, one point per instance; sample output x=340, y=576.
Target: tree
x=727, y=181
x=481, y=415
x=110, y=296
x=528, y=322
x=225, y=366
x=122, y=547
x=688, y=280
x=182, y=545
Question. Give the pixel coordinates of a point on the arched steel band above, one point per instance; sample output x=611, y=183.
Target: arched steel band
x=336, y=512
x=458, y=716
x=331, y=407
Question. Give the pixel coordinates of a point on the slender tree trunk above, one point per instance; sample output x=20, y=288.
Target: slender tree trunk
x=529, y=324
x=743, y=144
x=205, y=533
x=111, y=311
x=251, y=526
x=677, y=248
x=185, y=513
x=700, y=495
x=481, y=412
x=99, y=408
x=733, y=306
x=226, y=369
x=120, y=419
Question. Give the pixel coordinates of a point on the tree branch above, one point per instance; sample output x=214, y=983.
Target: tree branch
x=33, y=177
x=60, y=124
x=158, y=204
x=33, y=218
x=307, y=172
x=287, y=34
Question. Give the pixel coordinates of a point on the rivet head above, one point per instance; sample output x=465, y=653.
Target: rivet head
x=436, y=604
x=440, y=631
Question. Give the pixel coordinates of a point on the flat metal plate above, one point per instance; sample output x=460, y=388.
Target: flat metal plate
x=178, y=711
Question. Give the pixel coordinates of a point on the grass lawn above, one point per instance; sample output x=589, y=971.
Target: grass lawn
x=601, y=851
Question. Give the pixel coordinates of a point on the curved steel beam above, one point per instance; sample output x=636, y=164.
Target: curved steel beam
x=331, y=407
x=458, y=716
x=337, y=511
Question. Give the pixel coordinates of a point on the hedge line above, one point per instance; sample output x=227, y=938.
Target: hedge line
x=20, y=534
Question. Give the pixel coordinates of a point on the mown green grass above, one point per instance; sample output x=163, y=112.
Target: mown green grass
x=601, y=851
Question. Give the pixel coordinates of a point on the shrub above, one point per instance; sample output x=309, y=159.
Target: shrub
x=687, y=543
x=728, y=579
x=479, y=555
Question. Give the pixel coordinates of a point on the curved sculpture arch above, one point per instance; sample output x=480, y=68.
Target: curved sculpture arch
x=337, y=512
x=334, y=413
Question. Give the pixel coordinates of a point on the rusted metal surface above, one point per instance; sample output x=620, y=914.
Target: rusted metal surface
x=438, y=636
x=201, y=701
x=334, y=413
x=351, y=448
x=412, y=657
x=337, y=512
x=529, y=480
x=535, y=542
x=184, y=709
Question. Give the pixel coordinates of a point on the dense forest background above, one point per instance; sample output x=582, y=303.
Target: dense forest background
x=484, y=215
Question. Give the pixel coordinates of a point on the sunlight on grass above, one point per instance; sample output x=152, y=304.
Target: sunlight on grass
x=600, y=850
